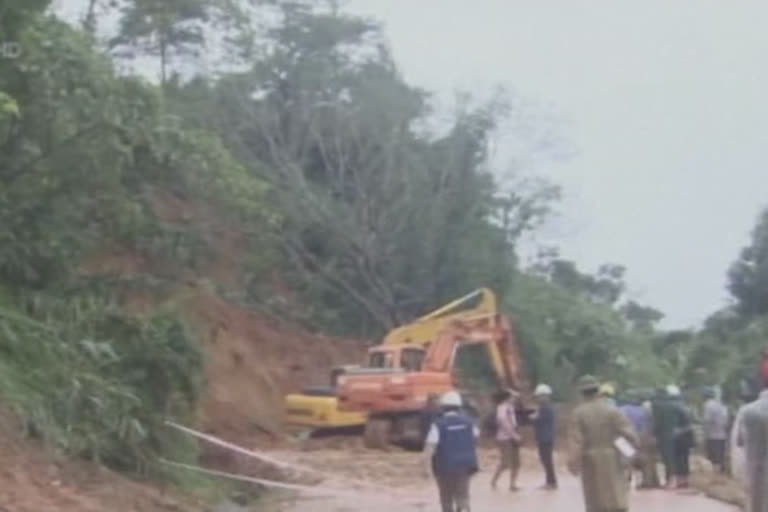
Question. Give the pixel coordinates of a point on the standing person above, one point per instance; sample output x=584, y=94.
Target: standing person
x=737, y=456
x=664, y=431
x=544, y=428
x=715, y=426
x=640, y=419
x=683, y=437
x=450, y=453
x=595, y=427
x=752, y=437
x=754, y=441
x=507, y=438
x=650, y=466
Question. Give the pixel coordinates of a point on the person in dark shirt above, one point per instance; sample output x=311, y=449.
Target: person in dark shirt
x=544, y=427
x=683, y=437
x=664, y=417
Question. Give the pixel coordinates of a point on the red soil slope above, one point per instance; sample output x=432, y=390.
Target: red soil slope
x=252, y=361
x=33, y=480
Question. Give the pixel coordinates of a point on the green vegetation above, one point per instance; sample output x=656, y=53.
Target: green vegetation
x=86, y=155
x=98, y=383
x=328, y=171
x=571, y=323
x=729, y=346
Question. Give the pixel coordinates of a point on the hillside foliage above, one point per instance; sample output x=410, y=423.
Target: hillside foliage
x=333, y=175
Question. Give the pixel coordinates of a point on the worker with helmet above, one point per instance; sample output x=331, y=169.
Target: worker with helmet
x=544, y=428
x=596, y=432
x=450, y=453
x=608, y=393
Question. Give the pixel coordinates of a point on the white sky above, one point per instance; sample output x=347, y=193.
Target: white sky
x=663, y=101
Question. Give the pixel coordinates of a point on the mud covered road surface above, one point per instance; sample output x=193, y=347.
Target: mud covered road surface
x=397, y=484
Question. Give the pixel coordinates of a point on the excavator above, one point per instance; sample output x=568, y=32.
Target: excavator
x=465, y=345
x=403, y=351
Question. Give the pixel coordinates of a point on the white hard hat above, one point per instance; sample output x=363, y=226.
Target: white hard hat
x=451, y=399
x=542, y=389
x=673, y=390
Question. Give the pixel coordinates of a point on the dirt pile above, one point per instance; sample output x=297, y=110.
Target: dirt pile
x=252, y=361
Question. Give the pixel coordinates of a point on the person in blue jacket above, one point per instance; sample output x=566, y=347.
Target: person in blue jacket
x=450, y=453
x=544, y=427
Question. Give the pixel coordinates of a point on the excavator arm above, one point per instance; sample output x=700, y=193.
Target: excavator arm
x=493, y=331
x=425, y=329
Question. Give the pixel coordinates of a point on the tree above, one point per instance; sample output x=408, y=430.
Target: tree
x=605, y=287
x=74, y=117
x=8, y=107
x=15, y=15
x=163, y=29
x=728, y=347
x=565, y=334
x=748, y=276
x=93, y=9
x=382, y=218
x=642, y=318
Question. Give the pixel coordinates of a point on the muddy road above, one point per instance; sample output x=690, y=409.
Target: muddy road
x=396, y=483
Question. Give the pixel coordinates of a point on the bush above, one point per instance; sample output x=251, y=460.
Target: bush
x=97, y=382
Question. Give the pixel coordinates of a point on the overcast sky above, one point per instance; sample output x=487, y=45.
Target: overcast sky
x=663, y=102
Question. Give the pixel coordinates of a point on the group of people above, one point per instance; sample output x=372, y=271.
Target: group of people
x=505, y=424
x=450, y=452
x=610, y=441
x=664, y=427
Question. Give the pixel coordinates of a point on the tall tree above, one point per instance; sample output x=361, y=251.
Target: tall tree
x=606, y=286
x=384, y=216
x=748, y=276
x=642, y=318
x=162, y=28
x=16, y=14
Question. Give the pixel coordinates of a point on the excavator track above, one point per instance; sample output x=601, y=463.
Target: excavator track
x=377, y=433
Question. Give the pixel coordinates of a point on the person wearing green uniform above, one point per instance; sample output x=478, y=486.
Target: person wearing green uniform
x=595, y=427
x=664, y=423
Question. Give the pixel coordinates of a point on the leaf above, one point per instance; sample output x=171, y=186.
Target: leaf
x=8, y=106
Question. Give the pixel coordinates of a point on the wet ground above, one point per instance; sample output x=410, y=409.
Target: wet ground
x=397, y=484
